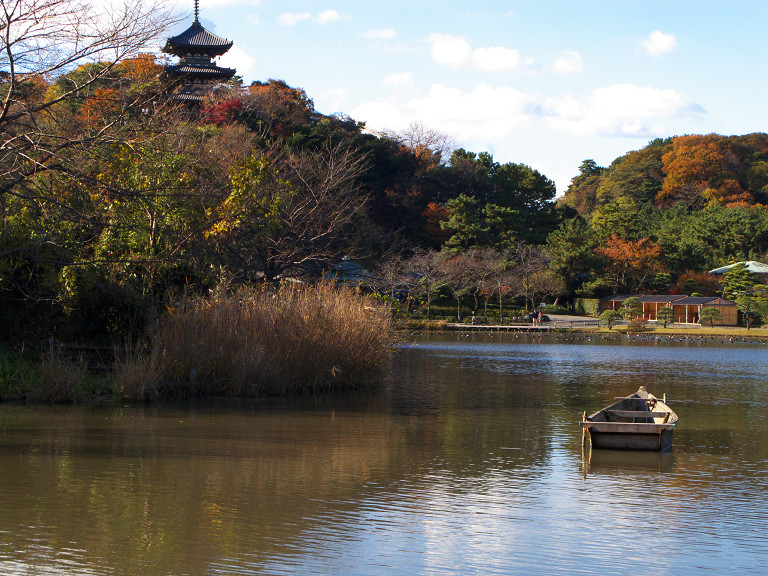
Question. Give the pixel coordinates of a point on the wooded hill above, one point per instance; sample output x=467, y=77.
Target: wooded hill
x=115, y=200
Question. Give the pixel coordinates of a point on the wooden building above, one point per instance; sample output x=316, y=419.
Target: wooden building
x=687, y=309
x=196, y=73
x=614, y=302
x=651, y=303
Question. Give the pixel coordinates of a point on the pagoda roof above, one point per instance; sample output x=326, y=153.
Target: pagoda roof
x=211, y=71
x=197, y=39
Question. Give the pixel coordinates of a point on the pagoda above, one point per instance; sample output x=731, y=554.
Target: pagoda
x=196, y=73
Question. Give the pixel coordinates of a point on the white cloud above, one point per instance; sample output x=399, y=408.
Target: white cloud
x=450, y=50
x=455, y=51
x=293, y=18
x=659, y=43
x=496, y=59
x=327, y=17
x=239, y=59
x=382, y=34
x=619, y=110
x=568, y=63
x=484, y=113
x=399, y=79
x=332, y=98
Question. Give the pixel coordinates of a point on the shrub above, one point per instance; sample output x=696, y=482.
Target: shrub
x=637, y=325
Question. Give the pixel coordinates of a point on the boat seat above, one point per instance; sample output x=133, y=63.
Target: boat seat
x=636, y=414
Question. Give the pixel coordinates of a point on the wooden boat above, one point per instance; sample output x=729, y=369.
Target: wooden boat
x=636, y=422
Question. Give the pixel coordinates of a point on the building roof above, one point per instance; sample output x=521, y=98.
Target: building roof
x=198, y=40
x=211, y=71
x=660, y=298
x=752, y=266
x=702, y=300
x=615, y=298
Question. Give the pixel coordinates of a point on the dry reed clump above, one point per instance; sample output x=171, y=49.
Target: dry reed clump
x=60, y=380
x=274, y=342
x=137, y=374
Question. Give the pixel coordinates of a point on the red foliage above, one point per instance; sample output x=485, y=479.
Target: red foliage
x=223, y=113
x=432, y=216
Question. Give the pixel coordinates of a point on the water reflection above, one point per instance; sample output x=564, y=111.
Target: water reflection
x=467, y=460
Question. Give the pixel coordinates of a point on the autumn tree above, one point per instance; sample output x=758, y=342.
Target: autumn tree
x=630, y=262
x=701, y=171
x=431, y=147
x=44, y=39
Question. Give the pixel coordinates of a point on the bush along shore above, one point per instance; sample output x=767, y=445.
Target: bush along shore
x=259, y=341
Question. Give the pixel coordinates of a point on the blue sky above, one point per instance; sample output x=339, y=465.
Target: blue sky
x=543, y=83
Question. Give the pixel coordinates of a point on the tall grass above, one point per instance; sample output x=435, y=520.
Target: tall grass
x=137, y=373
x=61, y=378
x=261, y=341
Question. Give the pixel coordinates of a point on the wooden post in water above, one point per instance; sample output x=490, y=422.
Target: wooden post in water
x=584, y=430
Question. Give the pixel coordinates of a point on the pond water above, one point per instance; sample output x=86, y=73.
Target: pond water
x=466, y=460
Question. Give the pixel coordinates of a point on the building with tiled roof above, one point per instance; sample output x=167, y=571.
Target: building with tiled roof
x=196, y=73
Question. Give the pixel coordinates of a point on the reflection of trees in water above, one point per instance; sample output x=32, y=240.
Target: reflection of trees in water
x=173, y=490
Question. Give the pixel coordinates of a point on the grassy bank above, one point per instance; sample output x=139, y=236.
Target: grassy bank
x=256, y=342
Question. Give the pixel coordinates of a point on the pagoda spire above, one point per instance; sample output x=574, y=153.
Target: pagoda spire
x=197, y=10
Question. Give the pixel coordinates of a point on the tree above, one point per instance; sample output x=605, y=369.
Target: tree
x=44, y=39
x=737, y=280
x=465, y=223
x=751, y=309
x=430, y=146
x=527, y=263
x=666, y=314
x=288, y=212
x=710, y=314
x=632, y=308
x=571, y=249
x=457, y=276
x=426, y=267
x=609, y=317
x=630, y=262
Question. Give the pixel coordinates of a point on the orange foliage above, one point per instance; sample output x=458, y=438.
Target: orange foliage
x=702, y=170
x=101, y=108
x=432, y=216
x=141, y=69
x=630, y=262
x=707, y=284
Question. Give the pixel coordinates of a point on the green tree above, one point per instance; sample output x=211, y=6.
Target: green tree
x=609, y=317
x=466, y=223
x=571, y=249
x=737, y=280
x=711, y=315
x=751, y=309
x=632, y=308
x=665, y=314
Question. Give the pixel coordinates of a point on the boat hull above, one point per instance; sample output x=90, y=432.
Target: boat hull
x=630, y=437
x=636, y=422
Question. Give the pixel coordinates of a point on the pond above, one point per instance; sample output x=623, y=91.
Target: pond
x=466, y=460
